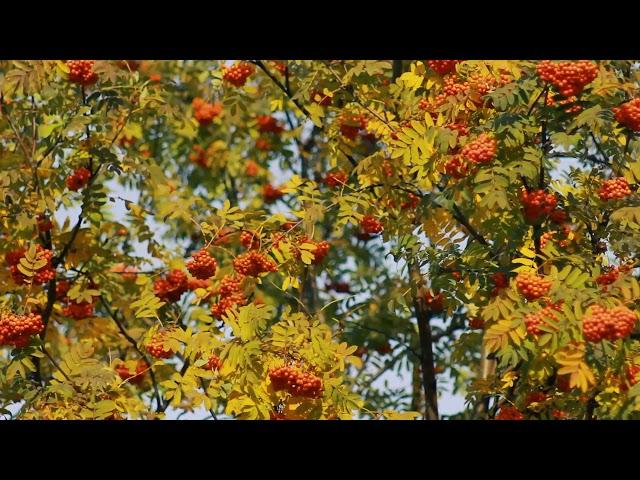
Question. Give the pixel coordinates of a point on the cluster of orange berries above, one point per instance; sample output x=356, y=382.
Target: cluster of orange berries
x=78, y=310
x=457, y=167
x=321, y=251
x=202, y=265
x=279, y=66
x=351, y=124
x=204, y=112
x=81, y=72
x=537, y=204
x=270, y=193
x=509, y=413
x=250, y=240
x=16, y=330
x=237, y=74
x=608, y=277
x=482, y=85
x=551, y=101
x=253, y=263
x=614, y=189
x=171, y=288
x=44, y=274
x=481, y=150
x=633, y=373
x=532, y=286
x=78, y=179
x=335, y=179
x=214, y=363
x=156, y=348
x=609, y=324
x=434, y=301
x=199, y=156
x=263, y=144
x=533, y=321
x=551, y=236
x=251, y=168
x=476, y=323
x=461, y=128
x=268, y=124
x=442, y=67
x=535, y=397
x=231, y=295
x=628, y=114
x=569, y=78
x=133, y=376
x=296, y=383
x=371, y=225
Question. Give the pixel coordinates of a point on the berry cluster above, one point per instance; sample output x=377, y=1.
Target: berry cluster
x=253, y=263
x=62, y=287
x=481, y=85
x=633, y=373
x=199, y=156
x=78, y=179
x=250, y=240
x=44, y=223
x=156, y=347
x=457, y=167
x=500, y=281
x=533, y=321
x=532, y=286
x=251, y=168
x=442, y=67
x=263, y=144
x=134, y=376
x=44, y=274
x=476, y=323
x=535, y=397
x=614, y=189
x=370, y=225
x=237, y=74
x=569, y=78
x=270, y=193
x=279, y=66
x=204, y=112
x=628, y=114
x=481, y=150
x=231, y=295
x=609, y=324
x=608, y=277
x=16, y=330
x=551, y=236
x=411, y=202
x=571, y=101
x=214, y=363
x=81, y=72
x=296, y=383
x=202, y=265
x=558, y=216
x=435, y=303
x=321, y=251
x=268, y=124
x=335, y=179
x=351, y=124
x=509, y=413
x=537, y=204
x=171, y=288
x=78, y=311
x=461, y=128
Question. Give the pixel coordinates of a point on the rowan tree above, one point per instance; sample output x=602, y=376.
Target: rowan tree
x=273, y=239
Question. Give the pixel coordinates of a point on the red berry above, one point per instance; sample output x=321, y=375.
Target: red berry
x=81, y=71
x=371, y=225
x=202, y=265
x=237, y=74
x=614, y=189
x=628, y=114
x=569, y=78
x=532, y=286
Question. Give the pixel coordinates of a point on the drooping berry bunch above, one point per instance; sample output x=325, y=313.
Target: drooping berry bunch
x=78, y=310
x=335, y=179
x=563, y=242
x=156, y=345
x=253, y=263
x=238, y=73
x=171, y=288
x=268, y=124
x=608, y=324
x=411, y=202
x=270, y=193
x=628, y=114
x=500, y=281
x=434, y=301
x=457, y=167
x=509, y=413
x=532, y=286
x=231, y=295
x=199, y=156
x=43, y=274
x=251, y=168
x=370, y=225
x=614, y=189
x=78, y=179
x=16, y=330
x=202, y=265
x=608, y=277
x=321, y=251
x=633, y=373
x=81, y=72
x=442, y=67
x=250, y=240
x=533, y=321
x=295, y=382
x=537, y=204
x=204, y=112
x=569, y=78
x=480, y=150
x=351, y=124
x=135, y=376
x=62, y=288
x=461, y=128
x=214, y=363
